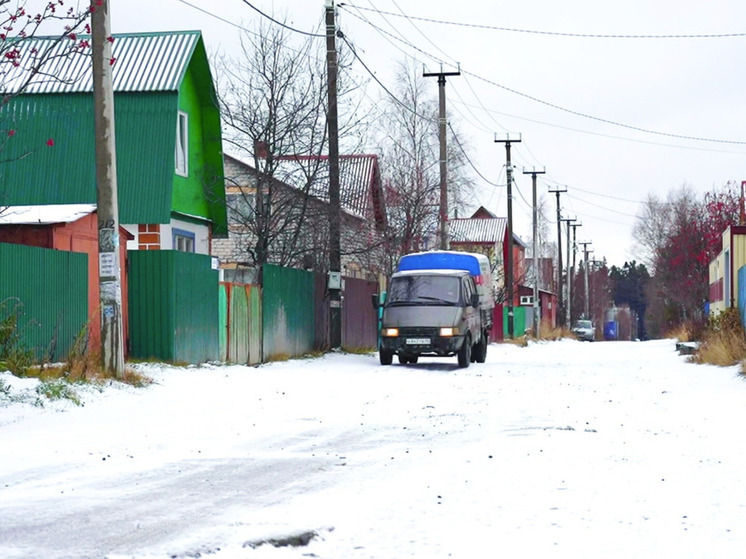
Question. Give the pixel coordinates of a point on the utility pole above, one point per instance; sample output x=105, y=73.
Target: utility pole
x=443, y=219
x=509, y=272
x=537, y=322
x=569, y=220
x=560, y=307
x=572, y=270
x=586, y=308
x=335, y=265
x=109, y=269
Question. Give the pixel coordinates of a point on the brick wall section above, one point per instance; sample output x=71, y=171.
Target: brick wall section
x=149, y=236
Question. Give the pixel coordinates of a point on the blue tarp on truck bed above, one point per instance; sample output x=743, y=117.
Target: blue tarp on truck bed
x=440, y=261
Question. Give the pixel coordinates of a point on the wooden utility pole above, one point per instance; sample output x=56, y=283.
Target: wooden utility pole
x=443, y=213
x=560, y=306
x=537, y=322
x=509, y=272
x=109, y=271
x=569, y=220
x=335, y=259
x=586, y=308
x=572, y=269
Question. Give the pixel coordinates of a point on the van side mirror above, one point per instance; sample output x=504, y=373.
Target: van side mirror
x=475, y=299
x=374, y=300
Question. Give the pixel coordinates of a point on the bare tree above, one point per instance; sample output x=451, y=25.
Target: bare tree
x=273, y=101
x=409, y=132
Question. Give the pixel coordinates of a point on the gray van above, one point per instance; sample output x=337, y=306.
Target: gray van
x=434, y=313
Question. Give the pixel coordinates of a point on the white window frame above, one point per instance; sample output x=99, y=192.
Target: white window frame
x=184, y=241
x=182, y=144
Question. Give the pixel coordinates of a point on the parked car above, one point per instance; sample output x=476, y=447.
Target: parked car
x=584, y=330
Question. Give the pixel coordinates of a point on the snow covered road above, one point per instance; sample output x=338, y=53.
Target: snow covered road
x=561, y=449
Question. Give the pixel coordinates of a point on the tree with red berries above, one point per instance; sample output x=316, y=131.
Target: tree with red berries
x=25, y=60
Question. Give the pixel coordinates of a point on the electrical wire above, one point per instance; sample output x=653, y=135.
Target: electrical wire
x=553, y=105
x=557, y=33
x=604, y=120
x=471, y=164
x=281, y=24
x=420, y=32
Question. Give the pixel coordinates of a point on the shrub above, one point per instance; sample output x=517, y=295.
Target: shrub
x=14, y=356
x=723, y=341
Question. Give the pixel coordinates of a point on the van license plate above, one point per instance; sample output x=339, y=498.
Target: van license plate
x=418, y=341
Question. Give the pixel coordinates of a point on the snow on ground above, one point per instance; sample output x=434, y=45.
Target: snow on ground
x=562, y=449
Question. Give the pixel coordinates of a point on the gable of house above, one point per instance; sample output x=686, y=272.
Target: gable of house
x=50, y=153
x=360, y=187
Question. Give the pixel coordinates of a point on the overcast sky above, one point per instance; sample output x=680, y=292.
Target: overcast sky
x=560, y=91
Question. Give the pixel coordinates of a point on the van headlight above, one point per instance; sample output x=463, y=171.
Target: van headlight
x=448, y=332
x=390, y=332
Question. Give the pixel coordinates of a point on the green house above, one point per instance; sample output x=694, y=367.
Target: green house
x=168, y=141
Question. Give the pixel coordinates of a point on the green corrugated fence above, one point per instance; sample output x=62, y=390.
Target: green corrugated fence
x=173, y=306
x=287, y=312
x=51, y=287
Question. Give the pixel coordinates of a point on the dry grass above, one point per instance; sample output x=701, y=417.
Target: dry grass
x=723, y=342
x=721, y=349
x=547, y=332
x=681, y=332
x=521, y=341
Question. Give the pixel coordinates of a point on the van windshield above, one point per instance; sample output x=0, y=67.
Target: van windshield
x=428, y=290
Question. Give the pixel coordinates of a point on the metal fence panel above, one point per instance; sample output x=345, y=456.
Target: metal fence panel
x=255, y=324
x=742, y=294
x=359, y=320
x=287, y=312
x=174, y=304
x=51, y=287
x=320, y=313
x=239, y=325
x=223, y=317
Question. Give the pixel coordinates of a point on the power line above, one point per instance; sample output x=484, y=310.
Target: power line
x=558, y=33
x=281, y=24
x=552, y=105
x=455, y=137
x=420, y=32
x=604, y=120
x=602, y=135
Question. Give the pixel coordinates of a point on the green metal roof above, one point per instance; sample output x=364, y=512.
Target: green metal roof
x=143, y=62
x=150, y=75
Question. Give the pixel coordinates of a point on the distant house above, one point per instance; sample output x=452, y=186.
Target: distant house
x=168, y=140
x=73, y=228
x=296, y=206
x=727, y=273
x=487, y=234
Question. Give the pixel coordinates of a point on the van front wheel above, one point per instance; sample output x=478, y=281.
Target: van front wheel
x=464, y=354
x=480, y=350
x=386, y=357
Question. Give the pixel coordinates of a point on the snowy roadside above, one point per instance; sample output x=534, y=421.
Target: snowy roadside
x=559, y=449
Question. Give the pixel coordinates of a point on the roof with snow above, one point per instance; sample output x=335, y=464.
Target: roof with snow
x=44, y=215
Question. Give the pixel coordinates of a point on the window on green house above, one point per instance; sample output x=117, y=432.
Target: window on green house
x=183, y=240
x=182, y=144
